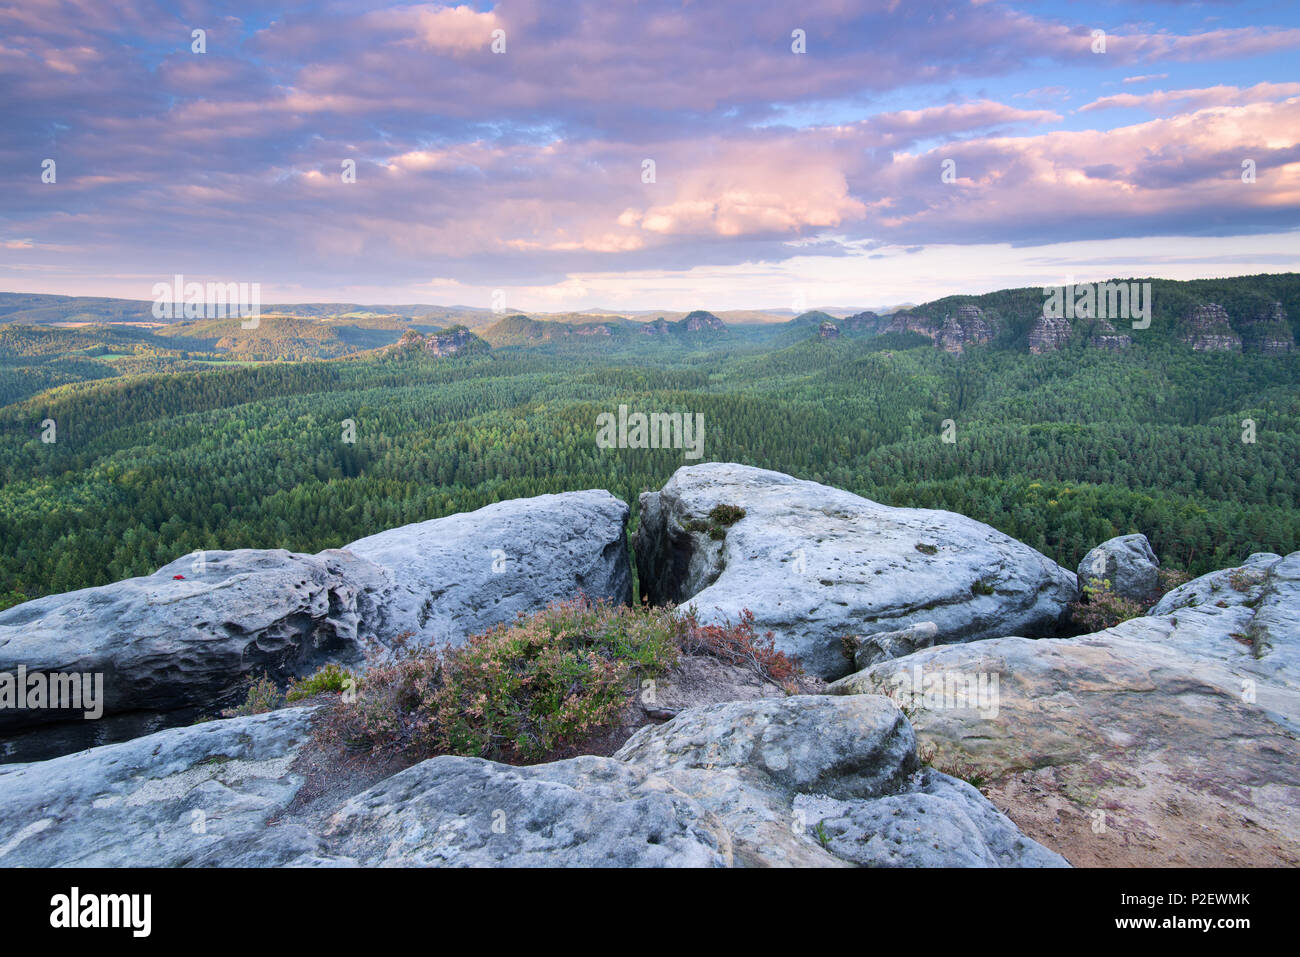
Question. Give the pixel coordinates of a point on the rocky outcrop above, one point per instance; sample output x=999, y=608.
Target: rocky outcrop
x=816, y=565
x=449, y=343
x=796, y=783
x=701, y=321
x=1206, y=329
x=187, y=796
x=792, y=781
x=184, y=641
x=884, y=645
x=828, y=330
x=907, y=321
x=658, y=327
x=1168, y=740
x=457, y=576
x=1128, y=563
x=1105, y=336
x=1049, y=334
x=966, y=326
x=1268, y=331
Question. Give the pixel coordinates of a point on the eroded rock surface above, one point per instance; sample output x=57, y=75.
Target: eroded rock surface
x=1175, y=734
x=816, y=565
x=457, y=576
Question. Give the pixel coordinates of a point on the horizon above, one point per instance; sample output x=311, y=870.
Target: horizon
x=589, y=159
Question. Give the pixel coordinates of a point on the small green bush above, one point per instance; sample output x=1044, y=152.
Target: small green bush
x=726, y=515
x=1101, y=608
x=329, y=678
x=515, y=693
x=263, y=696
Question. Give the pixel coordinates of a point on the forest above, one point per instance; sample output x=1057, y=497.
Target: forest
x=1061, y=450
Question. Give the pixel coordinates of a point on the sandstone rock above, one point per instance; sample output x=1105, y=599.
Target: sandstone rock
x=893, y=644
x=1176, y=734
x=185, y=640
x=780, y=775
x=456, y=576
x=1048, y=335
x=817, y=564
x=808, y=780
x=943, y=822
x=1128, y=563
x=583, y=812
x=1206, y=329
x=1268, y=331
x=202, y=794
x=967, y=326
x=828, y=330
x=1105, y=336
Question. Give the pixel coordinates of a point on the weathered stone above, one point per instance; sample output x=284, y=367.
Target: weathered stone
x=584, y=812
x=1049, y=334
x=202, y=794
x=1206, y=329
x=1128, y=563
x=816, y=564
x=460, y=575
x=884, y=645
x=1167, y=740
x=185, y=640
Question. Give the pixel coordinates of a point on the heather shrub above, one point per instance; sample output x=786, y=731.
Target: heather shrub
x=263, y=696
x=329, y=677
x=1101, y=608
x=514, y=693
x=738, y=645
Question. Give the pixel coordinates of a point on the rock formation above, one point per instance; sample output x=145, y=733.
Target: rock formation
x=828, y=330
x=456, y=576
x=1106, y=336
x=1128, y=563
x=184, y=641
x=816, y=565
x=1049, y=335
x=792, y=781
x=1168, y=740
x=967, y=326
x=1268, y=331
x=1206, y=329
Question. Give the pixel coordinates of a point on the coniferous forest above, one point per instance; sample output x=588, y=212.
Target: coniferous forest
x=156, y=453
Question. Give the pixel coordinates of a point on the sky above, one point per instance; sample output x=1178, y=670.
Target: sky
x=592, y=154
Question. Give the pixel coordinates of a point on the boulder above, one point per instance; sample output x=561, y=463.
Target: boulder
x=183, y=641
x=582, y=812
x=1128, y=563
x=892, y=644
x=797, y=783
x=1168, y=740
x=804, y=780
x=457, y=576
x=816, y=564
x=185, y=796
